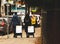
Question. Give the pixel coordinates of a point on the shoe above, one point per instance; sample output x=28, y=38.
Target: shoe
x=15, y=36
x=27, y=36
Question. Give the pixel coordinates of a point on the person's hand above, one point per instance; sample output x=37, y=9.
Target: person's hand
x=23, y=23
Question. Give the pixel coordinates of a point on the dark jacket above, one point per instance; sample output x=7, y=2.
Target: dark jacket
x=27, y=20
x=15, y=20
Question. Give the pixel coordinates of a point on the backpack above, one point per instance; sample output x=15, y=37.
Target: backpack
x=33, y=20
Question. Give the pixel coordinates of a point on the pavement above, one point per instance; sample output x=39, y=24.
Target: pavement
x=23, y=40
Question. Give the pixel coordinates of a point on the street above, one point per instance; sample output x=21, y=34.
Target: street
x=23, y=40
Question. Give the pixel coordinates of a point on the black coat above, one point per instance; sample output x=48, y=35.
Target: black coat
x=15, y=20
x=27, y=21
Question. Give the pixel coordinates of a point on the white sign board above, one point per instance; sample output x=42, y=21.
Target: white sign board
x=18, y=29
x=30, y=29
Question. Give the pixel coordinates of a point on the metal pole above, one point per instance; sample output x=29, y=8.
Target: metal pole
x=7, y=22
x=41, y=27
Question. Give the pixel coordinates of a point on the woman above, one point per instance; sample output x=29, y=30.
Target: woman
x=15, y=21
x=27, y=22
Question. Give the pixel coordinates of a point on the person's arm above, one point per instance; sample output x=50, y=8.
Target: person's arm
x=24, y=20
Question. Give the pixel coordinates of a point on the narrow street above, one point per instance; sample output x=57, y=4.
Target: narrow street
x=23, y=40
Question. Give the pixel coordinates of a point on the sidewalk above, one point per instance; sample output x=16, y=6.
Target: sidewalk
x=23, y=40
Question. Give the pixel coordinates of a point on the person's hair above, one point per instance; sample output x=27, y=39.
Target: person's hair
x=27, y=16
x=4, y=20
x=15, y=13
